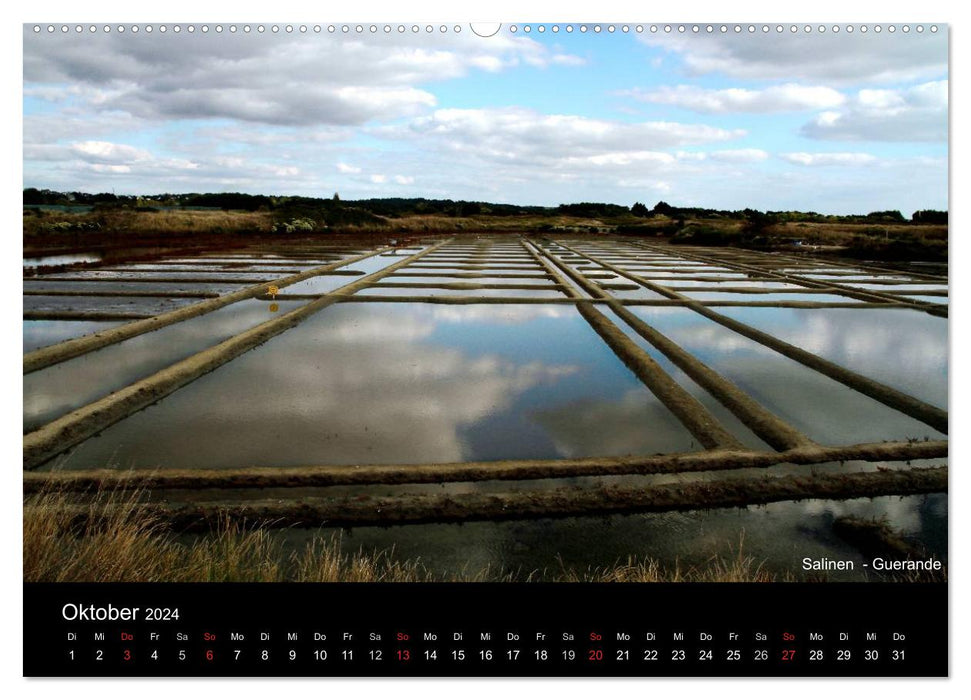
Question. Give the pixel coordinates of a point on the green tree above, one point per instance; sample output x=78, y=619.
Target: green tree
x=663, y=209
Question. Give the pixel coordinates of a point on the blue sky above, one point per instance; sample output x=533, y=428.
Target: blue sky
x=836, y=123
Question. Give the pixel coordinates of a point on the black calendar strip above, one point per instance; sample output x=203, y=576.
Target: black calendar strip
x=342, y=630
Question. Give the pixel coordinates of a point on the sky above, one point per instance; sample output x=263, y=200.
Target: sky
x=830, y=122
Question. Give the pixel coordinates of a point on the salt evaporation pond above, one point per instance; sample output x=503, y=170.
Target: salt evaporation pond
x=396, y=383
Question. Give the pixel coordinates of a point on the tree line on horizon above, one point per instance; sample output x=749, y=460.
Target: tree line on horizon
x=338, y=211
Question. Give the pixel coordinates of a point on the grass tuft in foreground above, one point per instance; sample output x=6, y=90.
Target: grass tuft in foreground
x=736, y=568
x=123, y=544
x=106, y=536
x=96, y=540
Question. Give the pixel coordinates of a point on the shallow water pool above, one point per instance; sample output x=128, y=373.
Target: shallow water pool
x=400, y=383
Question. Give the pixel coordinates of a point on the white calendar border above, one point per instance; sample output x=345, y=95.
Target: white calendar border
x=926, y=11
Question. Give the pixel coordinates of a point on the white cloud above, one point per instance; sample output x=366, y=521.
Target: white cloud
x=740, y=155
x=492, y=64
x=655, y=187
x=48, y=128
x=101, y=164
x=566, y=59
x=107, y=152
x=626, y=158
x=777, y=98
x=918, y=113
x=282, y=103
x=52, y=93
x=229, y=161
x=45, y=151
x=833, y=59
x=691, y=155
x=516, y=135
x=826, y=159
x=365, y=116
x=258, y=135
x=501, y=314
x=286, y=80
x=284, y=171
x=105, y=168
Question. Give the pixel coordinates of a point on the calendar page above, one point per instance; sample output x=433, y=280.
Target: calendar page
x=422, y=349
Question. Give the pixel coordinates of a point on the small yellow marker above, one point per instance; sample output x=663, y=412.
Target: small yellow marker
x=274, y=308
x=273, y=290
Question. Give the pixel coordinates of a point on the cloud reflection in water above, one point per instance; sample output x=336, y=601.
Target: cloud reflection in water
x=386, y=383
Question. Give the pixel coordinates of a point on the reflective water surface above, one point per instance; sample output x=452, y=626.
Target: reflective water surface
x=40, y=285
x=39, y=334
x=67, y=259
x=319, y=284
x=373, y=383
x=150, y=306
x=825, y=410
x=776, y=537
x=58, y=389
x=384, y=290
x=380, y=382
x=769, y=297
x=903, y=348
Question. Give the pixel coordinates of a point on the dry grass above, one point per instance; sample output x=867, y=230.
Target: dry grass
x=109, y=537
x=735, y=568
x=201, y=221
x=183, y=221
x=114, y=227
x=840, y=233
x=165, y=222
x=119, y=542
x=420, y=224
x=106, y=536
x=124, y=223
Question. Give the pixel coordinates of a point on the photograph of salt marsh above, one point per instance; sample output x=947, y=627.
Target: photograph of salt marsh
x=392, y=405
x=482, y=378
